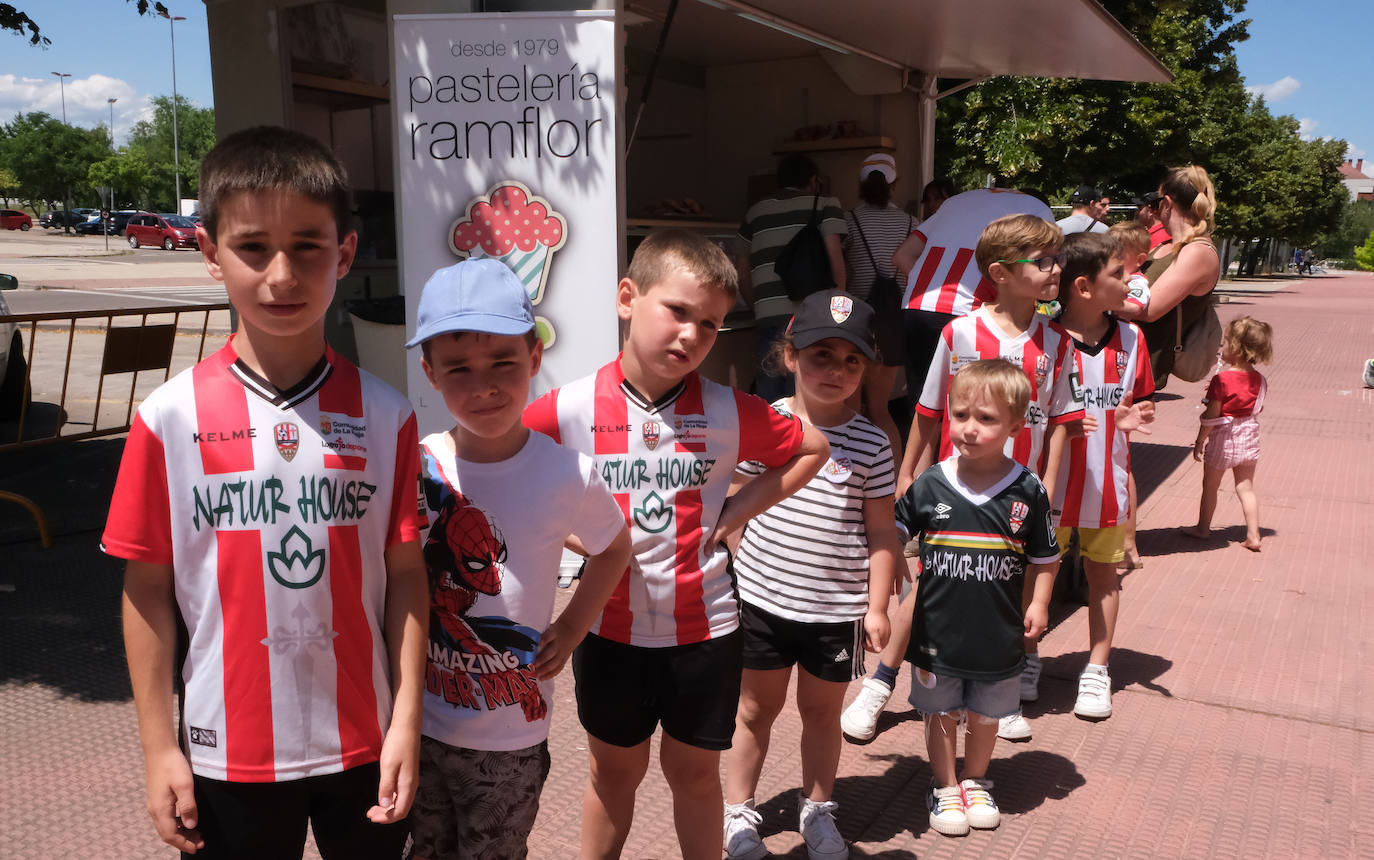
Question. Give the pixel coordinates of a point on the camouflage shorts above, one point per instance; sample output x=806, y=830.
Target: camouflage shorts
x=476, y=803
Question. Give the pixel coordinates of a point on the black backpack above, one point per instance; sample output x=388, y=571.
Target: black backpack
x=804, y=263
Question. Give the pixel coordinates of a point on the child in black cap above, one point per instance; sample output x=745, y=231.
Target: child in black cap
x=814, y=573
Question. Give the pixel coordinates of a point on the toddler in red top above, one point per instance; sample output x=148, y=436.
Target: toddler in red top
x=1228, y=437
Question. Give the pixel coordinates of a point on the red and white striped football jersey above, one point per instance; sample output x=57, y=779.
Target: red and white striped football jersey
x=1091, y=491
x=274, y=510
x=1044, y=351
x=946, y=278
x=668, y=464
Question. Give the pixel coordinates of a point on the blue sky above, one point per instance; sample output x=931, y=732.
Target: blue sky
x=110, y=51
x=1310, y=59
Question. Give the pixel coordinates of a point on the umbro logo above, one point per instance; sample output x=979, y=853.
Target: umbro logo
x=842, y=656
x=942, y=511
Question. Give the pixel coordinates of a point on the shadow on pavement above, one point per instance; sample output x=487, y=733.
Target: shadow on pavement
x=1129, y=668
x=59, y=608
x=1152, y=463
x=1167, y=541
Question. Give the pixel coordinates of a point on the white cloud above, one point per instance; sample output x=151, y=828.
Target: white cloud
x=1306, y=126
x=85, y=100
x=1279, y=90
x=1353, y=152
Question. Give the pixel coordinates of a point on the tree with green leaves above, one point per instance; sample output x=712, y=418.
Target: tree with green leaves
x=18, y=22
x=50, y=159
x=1356, y=222
x=1364, y=255
x=151, y=141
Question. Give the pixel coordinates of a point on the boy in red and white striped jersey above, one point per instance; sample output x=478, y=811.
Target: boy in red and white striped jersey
x=267, y=502
x=1019, y=256
x=667, y=646
x=1090, y=493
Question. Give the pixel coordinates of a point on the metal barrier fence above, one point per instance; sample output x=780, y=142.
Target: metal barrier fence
x=135, y=349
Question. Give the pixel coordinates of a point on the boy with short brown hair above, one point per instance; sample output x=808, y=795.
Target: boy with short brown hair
x=979, y=511
x=667, y=646
x=1020, y=255
x=494, y=645
x=266, y=500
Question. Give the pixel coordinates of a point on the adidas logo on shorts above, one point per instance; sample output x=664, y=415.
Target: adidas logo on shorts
x=842, y=656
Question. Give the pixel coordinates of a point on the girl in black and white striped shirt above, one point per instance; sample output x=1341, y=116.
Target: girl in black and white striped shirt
x=814, y=574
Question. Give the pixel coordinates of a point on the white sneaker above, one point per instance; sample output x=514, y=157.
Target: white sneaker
x=860, y=719
x=742, y=840
x=823, y=839
x=1014, y=728
x=979, y=807
x=1094, y=695
x=1030, y=679
x=946, y=805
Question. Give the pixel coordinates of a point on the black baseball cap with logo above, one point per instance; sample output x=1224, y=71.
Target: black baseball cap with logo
x=833, y=313
x=1149, y=198
x=1085, y=194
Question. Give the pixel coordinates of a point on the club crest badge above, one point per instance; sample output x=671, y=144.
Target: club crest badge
x=1019, y=512
x=1121, y=359
x=1042, y=369
x=288, y=439
x=651, y=431
x=840, y=308
x=837, y=470
x=326, y=426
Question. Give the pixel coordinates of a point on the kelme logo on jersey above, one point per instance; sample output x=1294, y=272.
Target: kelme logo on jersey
x=840, y=308
x=298, y=564
x=1019, y=511
x=653, y=516
x=650, y=431
x=288, y=439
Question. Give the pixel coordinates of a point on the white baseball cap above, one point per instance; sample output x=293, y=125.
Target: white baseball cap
x=881, y=162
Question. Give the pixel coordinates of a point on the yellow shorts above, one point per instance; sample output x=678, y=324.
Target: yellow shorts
x=1104, y=545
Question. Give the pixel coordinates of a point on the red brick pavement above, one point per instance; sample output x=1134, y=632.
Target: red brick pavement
x=1239, y=726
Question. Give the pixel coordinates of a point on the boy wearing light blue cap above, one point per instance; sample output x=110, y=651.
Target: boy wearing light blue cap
x=501, y=502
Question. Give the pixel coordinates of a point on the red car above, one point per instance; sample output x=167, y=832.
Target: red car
x=13, y=219
x=169, y=231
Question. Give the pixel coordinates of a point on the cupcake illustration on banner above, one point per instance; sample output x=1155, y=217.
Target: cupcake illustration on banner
x=511, y=224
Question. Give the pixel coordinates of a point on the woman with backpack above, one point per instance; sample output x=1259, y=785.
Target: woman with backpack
x=876, y=229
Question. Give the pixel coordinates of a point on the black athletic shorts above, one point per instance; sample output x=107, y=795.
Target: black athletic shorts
x=922, y=338
x=267, y=820
x=625, y=691
x=831, y=651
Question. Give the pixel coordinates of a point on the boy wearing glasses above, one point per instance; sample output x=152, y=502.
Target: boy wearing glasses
x=1019, y=256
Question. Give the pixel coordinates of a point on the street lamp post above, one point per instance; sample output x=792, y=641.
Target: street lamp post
x=62, y=86
x=111, y=102
x=176, y=149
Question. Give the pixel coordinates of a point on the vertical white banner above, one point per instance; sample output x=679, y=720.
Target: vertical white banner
x=506, y=146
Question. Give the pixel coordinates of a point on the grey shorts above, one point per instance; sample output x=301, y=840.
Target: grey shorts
x=994, y=699
x=476, y=804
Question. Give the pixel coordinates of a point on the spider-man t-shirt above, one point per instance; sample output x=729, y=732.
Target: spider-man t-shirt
x=495, y=537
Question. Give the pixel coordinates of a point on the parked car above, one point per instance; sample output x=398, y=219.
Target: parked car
x=57, y=219
x=91, y=226
x=114, y=226
x=13, y=366
x=13, y=219
x=169, y=231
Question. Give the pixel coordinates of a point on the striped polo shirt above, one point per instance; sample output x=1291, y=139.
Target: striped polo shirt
x=768, y=226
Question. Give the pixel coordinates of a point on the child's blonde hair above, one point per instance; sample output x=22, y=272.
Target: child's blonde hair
x=1250, y=340
x=999, y=379
x=665, y=251
x=1013, y=237
x=1134, y=238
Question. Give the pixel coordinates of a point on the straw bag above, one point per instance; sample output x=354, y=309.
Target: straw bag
x=1195, y=350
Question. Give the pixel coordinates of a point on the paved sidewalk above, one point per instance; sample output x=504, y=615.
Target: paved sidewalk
x=1241, y=679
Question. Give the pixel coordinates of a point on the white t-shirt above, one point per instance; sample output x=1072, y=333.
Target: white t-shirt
x=495, y=537
x=946, y=278
x=1138, y=290
x=1044, y=351
x=1081, y=222
x=274, y=509
x=806, y=558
